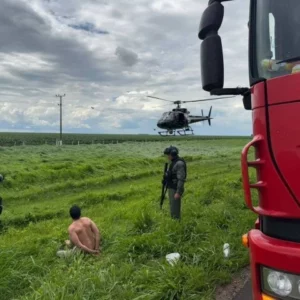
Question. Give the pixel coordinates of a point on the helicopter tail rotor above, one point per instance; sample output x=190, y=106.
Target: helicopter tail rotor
x=209, y=116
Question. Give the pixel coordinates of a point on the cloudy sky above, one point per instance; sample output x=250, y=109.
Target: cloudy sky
x=111, y=54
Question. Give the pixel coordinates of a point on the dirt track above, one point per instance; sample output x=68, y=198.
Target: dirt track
x=238, y=289
x=245, y=293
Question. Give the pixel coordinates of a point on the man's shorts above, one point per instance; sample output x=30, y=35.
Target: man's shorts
x=68, y=253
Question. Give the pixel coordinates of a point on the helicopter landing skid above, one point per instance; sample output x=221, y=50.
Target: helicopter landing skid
x=167, y=133
x=186, y=131
x=182, y=132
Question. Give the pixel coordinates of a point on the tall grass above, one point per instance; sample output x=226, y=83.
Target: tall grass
x=120, y=192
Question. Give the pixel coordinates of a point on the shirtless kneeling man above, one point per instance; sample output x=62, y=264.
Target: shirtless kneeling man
x=84, y=235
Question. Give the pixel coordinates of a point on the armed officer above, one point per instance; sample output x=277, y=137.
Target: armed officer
x=175, y=179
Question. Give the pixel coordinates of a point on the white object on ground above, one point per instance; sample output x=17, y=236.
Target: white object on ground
x=226, y=250
x=67, y=253
x=64, y=253
x=173, y=258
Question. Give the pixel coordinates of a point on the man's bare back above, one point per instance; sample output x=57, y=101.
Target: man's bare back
x=83, y=232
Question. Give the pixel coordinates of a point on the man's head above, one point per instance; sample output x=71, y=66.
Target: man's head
x=172, y=152
x=75, y=212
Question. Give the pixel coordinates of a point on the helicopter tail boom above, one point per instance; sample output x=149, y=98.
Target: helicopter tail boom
x=202, y=118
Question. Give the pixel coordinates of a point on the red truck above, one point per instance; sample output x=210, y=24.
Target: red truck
x=274, y=98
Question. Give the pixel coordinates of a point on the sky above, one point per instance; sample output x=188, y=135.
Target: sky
x=111, y=54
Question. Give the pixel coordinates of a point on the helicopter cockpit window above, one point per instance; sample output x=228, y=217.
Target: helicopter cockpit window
x=181, y=117
x=165, y=115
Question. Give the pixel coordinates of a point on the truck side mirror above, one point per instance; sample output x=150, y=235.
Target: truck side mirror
x=211, y=20
x=211, y=53
x=212, y=66
x=247, y=101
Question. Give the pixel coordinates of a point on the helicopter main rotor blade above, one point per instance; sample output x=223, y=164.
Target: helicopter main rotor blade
x=162, y=105
x=160, y=99
x=207, y=99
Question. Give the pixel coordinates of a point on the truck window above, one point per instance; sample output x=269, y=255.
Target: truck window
x=272, y=34
x=277, y=37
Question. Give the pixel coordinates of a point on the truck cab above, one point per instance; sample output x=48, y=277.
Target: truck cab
x=273, y=96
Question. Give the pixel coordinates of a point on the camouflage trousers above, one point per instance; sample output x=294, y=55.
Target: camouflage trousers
x=175, y=205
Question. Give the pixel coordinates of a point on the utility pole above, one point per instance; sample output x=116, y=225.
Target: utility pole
x=60, y=105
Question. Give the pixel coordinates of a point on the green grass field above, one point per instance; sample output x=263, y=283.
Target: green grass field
x=17, y=139
x=118, y=186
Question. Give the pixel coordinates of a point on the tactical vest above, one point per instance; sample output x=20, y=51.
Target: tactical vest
x=172, y=177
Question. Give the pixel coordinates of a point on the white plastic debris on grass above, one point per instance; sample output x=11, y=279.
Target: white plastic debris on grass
x=64, y=253
x=61, y=254
x=173, y=258
x=226, y=250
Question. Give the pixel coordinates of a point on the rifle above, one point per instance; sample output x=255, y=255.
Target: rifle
x=164, y=186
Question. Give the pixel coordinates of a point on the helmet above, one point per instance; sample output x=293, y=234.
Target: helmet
x=173, y=151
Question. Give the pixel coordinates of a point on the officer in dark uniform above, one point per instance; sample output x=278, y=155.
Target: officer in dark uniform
x=175, y=179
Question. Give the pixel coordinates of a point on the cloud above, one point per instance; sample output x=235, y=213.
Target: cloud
x=126, y=56
x=89, y=27
x=97, y=51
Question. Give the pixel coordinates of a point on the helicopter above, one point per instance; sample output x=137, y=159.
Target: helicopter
x=179, y=119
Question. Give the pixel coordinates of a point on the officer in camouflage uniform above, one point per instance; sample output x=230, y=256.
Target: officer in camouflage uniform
x=175, y=179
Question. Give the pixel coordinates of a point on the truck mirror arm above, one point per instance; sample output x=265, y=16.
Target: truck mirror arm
x=243, y=91
x=231, y=91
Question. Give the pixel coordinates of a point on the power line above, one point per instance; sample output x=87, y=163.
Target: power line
x=60, y=105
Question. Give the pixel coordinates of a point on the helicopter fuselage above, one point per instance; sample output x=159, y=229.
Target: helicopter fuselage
x=179, y=118
x=173, y=120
